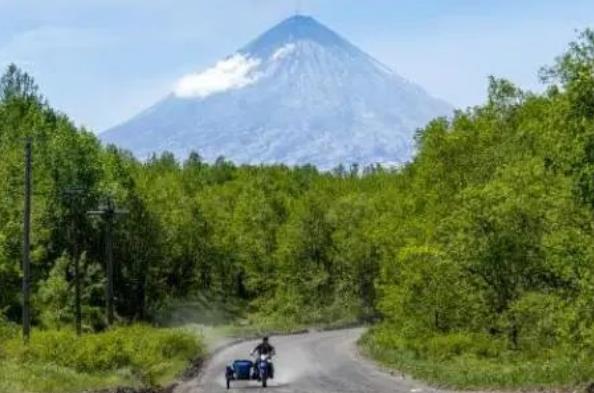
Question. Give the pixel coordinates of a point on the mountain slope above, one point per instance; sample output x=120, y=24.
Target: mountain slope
x=298, y=94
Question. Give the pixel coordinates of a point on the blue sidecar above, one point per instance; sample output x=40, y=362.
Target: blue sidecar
x=240, y=370
x=247, y=370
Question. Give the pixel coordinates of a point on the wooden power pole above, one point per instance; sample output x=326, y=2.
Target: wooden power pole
x=26, y=265
x=109, y=213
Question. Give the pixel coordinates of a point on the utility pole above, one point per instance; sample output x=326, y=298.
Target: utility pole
x=109, y=213
x=26, y=265
x=73, y=193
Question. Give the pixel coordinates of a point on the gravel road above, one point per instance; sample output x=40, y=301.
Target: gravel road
x=318, y=362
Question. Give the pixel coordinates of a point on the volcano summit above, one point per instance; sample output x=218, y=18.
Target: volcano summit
x=298, y=94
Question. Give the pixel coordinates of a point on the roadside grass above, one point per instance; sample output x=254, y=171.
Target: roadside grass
x=61, y=362
x=17, y=377
x=477, y=364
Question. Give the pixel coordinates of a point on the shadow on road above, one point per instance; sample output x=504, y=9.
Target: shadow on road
x=257, y=387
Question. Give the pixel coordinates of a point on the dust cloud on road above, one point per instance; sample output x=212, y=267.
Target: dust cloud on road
x=321, y=362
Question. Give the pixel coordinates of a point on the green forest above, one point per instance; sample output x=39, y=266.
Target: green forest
x=474, y=262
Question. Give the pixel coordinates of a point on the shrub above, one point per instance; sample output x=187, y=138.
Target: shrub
x=457, y=344
x=148, y=352
x=477, y=361
x=7, y=331
x=537, y=320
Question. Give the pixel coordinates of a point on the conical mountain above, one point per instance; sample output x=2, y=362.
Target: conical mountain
x=298, y=94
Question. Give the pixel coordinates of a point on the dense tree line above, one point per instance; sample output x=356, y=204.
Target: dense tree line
x=231, y=232
x=488, y=230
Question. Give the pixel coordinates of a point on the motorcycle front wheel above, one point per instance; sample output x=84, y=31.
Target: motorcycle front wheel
x=264, y=377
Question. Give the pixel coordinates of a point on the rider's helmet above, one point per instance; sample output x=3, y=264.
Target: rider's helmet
x=265, y=339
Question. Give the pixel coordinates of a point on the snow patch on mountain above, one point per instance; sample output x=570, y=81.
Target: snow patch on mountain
x=234, y=72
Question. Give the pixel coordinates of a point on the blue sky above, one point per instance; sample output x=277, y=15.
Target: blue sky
x=102, y=61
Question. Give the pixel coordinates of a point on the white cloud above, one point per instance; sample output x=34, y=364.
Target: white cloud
x=234, y=72
x=284, y=51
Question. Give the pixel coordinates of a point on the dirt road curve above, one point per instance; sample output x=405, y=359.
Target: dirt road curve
x=324, y=362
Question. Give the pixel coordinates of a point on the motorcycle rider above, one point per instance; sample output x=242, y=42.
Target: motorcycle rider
x=264, y=348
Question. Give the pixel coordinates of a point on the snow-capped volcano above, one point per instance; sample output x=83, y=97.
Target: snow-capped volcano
x=298, y=94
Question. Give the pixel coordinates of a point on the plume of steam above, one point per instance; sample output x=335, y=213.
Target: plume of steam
x=234, y=72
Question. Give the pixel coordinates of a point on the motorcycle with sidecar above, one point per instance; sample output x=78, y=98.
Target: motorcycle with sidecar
x=260, y=370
